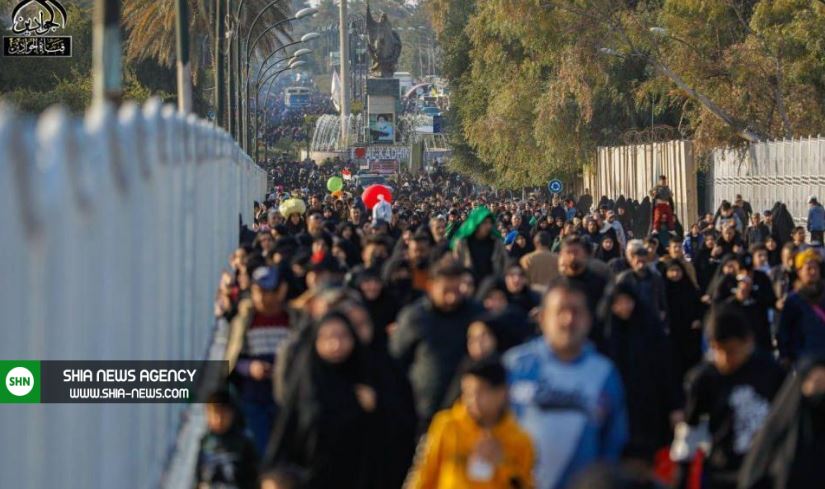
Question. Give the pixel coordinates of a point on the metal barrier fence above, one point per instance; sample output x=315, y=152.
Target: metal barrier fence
x=113, y=232
x=769, y=172
x=633, y=170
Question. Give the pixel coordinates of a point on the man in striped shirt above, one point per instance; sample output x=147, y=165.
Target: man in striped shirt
x=261, y=324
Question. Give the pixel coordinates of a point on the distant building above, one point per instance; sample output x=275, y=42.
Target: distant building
x=405, y=81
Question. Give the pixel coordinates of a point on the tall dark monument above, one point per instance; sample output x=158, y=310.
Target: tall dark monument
x=384, y=45
x=382, y=89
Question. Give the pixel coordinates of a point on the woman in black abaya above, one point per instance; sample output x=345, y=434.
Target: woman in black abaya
x=391, y=437
x=633, y=338
x=607, y=249
x=685, y=311
x=783, y=223
x=643, y=218
x=327, y=410
x=381, y=304
x=704, y=263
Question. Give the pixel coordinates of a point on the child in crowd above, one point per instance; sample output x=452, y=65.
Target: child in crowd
x=227, y=457
x=733, y=391
x=477, y=444
x=662, y=198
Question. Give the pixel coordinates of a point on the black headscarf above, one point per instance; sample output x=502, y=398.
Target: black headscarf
x=783, y=223
x=705, y=266
x=604, y=255
x=353, y=257
x=584, y=204
x=721, y=285
x=640, y=350
x=643, y=217
x=295, y=229
x=510, y=329
x=320, y=428
x=789, y=450
x=354, y=240
x=516, y=252
x=383, y=310
x=684, y=308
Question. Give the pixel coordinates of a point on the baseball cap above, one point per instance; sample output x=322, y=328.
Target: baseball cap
x=266, y=278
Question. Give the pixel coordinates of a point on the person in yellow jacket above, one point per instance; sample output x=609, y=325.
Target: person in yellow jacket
x=477, y=443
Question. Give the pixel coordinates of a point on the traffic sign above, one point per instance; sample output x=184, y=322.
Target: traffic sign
x=555, y=186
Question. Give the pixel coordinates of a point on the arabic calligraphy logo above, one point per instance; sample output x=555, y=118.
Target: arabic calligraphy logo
x=36, y=25
x=32, y=20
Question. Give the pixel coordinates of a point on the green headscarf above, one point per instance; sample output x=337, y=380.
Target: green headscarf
x=474, y=220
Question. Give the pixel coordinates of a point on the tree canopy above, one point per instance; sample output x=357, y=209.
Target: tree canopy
x=537, y=85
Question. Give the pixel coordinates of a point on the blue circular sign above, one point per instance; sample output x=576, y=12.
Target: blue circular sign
x=555, y=186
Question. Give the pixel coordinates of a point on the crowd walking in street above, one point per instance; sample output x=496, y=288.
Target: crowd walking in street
x=453, y=337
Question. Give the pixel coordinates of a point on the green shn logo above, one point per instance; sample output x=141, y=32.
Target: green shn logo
x=21, y=381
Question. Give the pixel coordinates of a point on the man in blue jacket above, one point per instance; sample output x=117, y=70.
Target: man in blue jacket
x=816, y=219
x=566, y=395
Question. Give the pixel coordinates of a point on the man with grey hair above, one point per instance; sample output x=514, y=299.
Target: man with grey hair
x=645, y=278
x=441, y=245
x=612, y=222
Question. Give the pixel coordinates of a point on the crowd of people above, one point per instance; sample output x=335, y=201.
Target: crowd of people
x=288, y=123
x=476, y=340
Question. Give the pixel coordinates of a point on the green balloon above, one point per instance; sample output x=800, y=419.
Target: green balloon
x=335, y=184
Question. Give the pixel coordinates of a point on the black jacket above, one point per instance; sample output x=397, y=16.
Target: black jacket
x=593, y=283
x=429, y=345
x=649, y=286
x=229, y=458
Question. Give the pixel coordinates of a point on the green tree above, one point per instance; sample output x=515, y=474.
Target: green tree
x=33, y=84
x=538, y=84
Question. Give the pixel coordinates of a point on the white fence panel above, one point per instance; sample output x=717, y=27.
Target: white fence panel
x=113, y=231
x=768, y=172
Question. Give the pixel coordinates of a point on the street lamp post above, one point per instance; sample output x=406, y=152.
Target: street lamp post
x=343, y=58
x=220, y=34
x=262, y=72
x=108, y=67
x=233, y=54
x=305, y=38
x=294, y=62
x=250, y=46
x=258, y=108
x=184, y=68
x=243, y=69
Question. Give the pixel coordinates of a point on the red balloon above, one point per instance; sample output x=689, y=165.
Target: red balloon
x=371, y=195
x=360, y=152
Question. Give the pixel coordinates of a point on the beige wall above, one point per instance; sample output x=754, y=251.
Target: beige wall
x=633, y=170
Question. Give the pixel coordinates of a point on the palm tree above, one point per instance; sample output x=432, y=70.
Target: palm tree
x=150, y=27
